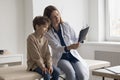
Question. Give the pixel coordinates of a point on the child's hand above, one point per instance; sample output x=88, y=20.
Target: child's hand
x=44, y=70
x=50, y=70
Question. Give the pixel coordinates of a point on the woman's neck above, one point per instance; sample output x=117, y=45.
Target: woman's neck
x=56, y=27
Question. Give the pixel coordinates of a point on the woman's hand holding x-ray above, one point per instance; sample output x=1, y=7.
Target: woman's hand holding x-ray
x=73, y=46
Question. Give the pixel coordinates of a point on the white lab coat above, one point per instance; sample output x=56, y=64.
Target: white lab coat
x=69, y=37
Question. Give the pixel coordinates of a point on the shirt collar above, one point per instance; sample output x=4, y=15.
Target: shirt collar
x=56, y=30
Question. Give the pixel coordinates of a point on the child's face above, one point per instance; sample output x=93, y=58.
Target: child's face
x=41, y=30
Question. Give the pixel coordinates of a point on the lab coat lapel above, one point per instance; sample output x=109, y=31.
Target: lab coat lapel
x=64, y=35
x=56, y=36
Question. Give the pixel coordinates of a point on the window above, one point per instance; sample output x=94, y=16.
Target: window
x=113, y=19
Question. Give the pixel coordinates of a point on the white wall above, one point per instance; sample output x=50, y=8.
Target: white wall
x=96, y=19
x=88, y=49
x=73, y=12
x=12, y=25
x=28, y=22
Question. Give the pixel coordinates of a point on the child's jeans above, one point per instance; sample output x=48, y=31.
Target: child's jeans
x=47, y=76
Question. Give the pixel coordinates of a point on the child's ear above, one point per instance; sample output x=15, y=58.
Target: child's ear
x=36, y=27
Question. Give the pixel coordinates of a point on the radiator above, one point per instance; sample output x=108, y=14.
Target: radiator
x=113, y=57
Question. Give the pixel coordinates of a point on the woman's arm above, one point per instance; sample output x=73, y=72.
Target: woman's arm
x=54, y=43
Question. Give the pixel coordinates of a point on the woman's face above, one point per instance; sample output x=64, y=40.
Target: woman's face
x=41, y=30
x=55, y=17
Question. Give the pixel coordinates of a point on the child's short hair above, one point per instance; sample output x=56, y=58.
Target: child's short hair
x=40, y=20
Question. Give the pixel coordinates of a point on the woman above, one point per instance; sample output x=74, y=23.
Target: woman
x=63, y=41
x=38, y=55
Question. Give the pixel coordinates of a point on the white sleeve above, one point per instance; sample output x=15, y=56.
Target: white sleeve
x=54, y=43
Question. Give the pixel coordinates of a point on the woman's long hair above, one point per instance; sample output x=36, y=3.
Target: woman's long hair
x=47, y=12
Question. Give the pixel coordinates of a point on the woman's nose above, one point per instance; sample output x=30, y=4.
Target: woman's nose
x=57, y=17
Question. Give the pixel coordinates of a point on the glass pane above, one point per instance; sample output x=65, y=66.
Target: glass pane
x=114, y=17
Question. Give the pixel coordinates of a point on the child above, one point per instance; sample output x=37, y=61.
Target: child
x=38, y=55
